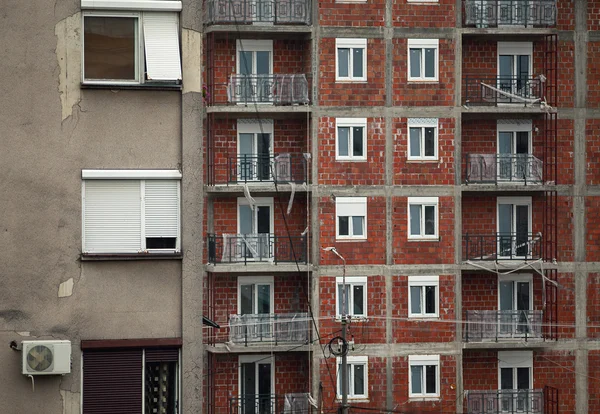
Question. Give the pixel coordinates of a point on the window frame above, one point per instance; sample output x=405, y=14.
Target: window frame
x=513, y=360
x=351, y=281
x=255, y=280
x=423, y=361
x=255, y=359
x=350, y=123
x=347, y=202
x=140, y=176
x=422, y=282
x=423, y=123
x=423, y=202
x=347, y=43
x=424, y=44
x=352, y=362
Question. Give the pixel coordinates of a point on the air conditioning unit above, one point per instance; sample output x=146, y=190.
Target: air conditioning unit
x=46, y=357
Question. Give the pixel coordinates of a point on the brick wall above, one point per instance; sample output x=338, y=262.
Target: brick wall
x=480, y=370
x=566, y=74
x=593, y=15
x=413, y=93
x=369, y=172
x=439, y=15
x=370, y=13
x=593, y=381
x=556, y=369
x=369, y=93
x=431, y=251
x=440, y=172
x=593, y=75
x=565, y=14
x=592, y=135
x=592, y=205
x=565, y=229
x=593, y=305
x=565, y=150
x=566, y=305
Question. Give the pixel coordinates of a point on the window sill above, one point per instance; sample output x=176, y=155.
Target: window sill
x=423, y=160
x=350, y=81
x=141, y=86
x=423, y=239
x=418, y=317
x=350, y=240
x=416, y=398
x=423, y=81
x=351, y=159
x=354, y=399
x=94, y=257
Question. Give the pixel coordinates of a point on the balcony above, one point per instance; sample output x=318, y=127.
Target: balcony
x=270, y=404
x=502, y=246
x=520, y=13
x=505, y=325
x=268, y=89
x=281, y=168
x=501, y=90
x=506, y=401
x=269, y=328
x=503, y=168
x=256, y=248
x=265, y=12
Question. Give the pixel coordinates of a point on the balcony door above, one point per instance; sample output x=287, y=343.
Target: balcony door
x=516, y=381
x=514, y=71
x=255, y=151
x=514, y=151
x=256, y=384
x=514, y=228
x=254, y=68
x=515, y=301
x=255, y=307
x=255, y=226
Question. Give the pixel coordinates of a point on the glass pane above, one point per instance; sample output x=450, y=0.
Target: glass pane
x=430, y=142
x=159, y=385
x=506, y=296
x=248, y=387
x=264, y=379
x=430, y=299
x=357, y=144
x=522, y=144
x=415, y=63
x=357, y=63
x=343, y=135
x=358, y=307
x=523, y=379
x=506, y=66
x=343, y=226
x=430, y=381
x=415, y=220
x=246, y=299
x=343, y=63
x=110, y=48
x=429, y=63
x=343, y=310
x=416, y=375
x=522, y=230
x=415, y=300
x=506, y=379
x=246, y=144
x=263, y=63
x=415, y=142
x=246, y=59
x=505, y=219
x=523, y=300
x=264, y=299
x=263, y=217
x=245, y=223
x=430, y=220
x=359, y=379
x=358, y=226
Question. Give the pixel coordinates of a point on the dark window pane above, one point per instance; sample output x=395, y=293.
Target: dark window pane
x=343, y=310
x=359, y=307
x=359, y=379
x=506, y=379
x=429, y=220
x=357, y=145
x=109, y=48
x=415, y=220
x=343, y=133
x=430, y=142
x=415, y=299
x=415, y=142
x=343, y=62
x=429, y=299
x=343, y=226
x=358, y=226
x=430, y=380
x=357, y=64
x=246, y=299
x=161, y=242
x=415, y=63
x=523, y=378
x=416, y=378
x=430, y=63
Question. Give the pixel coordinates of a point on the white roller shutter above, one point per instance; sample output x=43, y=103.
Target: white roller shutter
x=351, y=206
x=161, y=41
x=162, y=208
x=112, y=216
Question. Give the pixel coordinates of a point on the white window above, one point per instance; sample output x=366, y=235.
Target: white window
x=423, y=217
x=424, y=376
x=356, y=296
x=351, y=59
x=358, y=377
x=423, y=59
x=422, y=139
x=256, y=377
x=351, y=217
x=515, y=372
x=131, y=47
x=422, y=1
x=255, y=150
x=254, y=80
x=515, y=238
x=130, y=211
x=515, y=68
x=351, y=139
x=423, y=296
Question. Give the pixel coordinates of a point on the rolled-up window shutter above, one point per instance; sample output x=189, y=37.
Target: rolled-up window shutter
x=112, y=216
x=161, y=41
x=162, y=355
x=162, y=209
x=351, y=206
x=112, y=382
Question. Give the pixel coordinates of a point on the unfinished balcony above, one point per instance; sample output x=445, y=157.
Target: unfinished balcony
x=503, y=325
x=265, y=329
x=248, y=249
x=274, y=89
x=522, y=401
x=270, y=404
x=520, y=246
x=254, y=169
x=510, y=13
x=497, y=169
x=505, y=90
x=257, y=12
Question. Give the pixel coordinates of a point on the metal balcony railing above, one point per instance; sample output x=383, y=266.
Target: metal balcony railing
x=524, y=90
x=258, y=11
x=294, y=403
x=274, y=89
x=281, y=168
x=503, y=168
x=505, y=401
x=502, y=246
x=271, y=328
x=525, y=13
x=257, y=247
x=497, y=326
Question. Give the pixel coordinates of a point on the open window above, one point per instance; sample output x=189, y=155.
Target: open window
x=254, y=81
x=515, y=68
x=255, y=227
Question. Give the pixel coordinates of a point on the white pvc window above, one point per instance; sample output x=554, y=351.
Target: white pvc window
x=423, y=139
x=351, y=59
x=423, y=59
x=358, y=377
x=423, y=218
x=351, y=217
x=351, y=139
x=356, y=296
x=423, y=296
x=424, y=376
x=127, y=215
x=130, y=47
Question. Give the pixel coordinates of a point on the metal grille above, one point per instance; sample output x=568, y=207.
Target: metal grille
x=494, y=13
x=490, y=325
x=276, y=328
